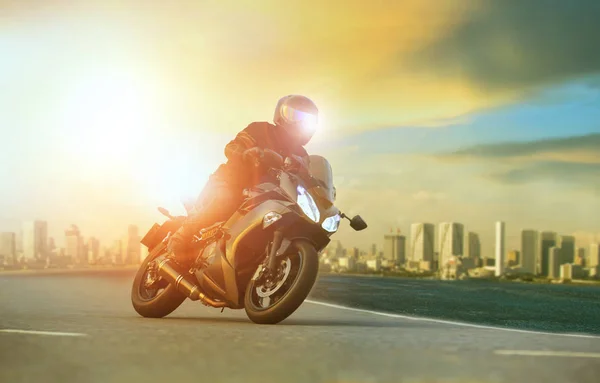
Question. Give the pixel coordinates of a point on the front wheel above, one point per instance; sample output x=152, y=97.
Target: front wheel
x=151, y=296
x=271, y=299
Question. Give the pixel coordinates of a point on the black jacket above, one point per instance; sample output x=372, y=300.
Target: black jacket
x=258, y=134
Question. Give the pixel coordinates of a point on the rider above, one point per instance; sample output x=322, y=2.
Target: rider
x=295, y=123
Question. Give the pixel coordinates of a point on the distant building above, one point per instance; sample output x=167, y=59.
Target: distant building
x=529, y=251
x=74, y=248
x=374, y=264
x=117, y=252
x=547, y=241
x=554, y=258
x=374, y=250
x=513, y=258
x=8, y=248
x=347, y=263
x=578, y=272
x=472, y=246
x=567, y=248
x=593, y=259
x=35, y=239
x=93, y=250
x=132, y=247
x=394, y=249
x=580, y=256
x=450, y=241
x=422, y=242
x=566, y=272
x=500, y=248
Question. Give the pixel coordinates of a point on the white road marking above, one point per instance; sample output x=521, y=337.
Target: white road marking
x=33, y=332
x=566, y=354
x=421, y=319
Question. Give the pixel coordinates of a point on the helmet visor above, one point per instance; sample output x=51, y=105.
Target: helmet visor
x=305, y=119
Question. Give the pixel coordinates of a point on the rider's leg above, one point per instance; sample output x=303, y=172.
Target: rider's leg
x=217, y=202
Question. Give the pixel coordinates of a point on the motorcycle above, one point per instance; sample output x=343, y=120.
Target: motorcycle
x=264, y=258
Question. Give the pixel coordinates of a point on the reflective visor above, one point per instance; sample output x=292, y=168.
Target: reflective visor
x=295, y=115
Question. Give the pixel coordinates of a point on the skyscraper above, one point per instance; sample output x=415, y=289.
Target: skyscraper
x=567, y=248
x=93, y=250
x=8, y=248
x=547, y=241
x=472, y=245
x=35, y=239
x=394, y=248
x=554, y=262
x=132, y=247
x=421, y=242
x=580, y=256
x=513, y=257
x=74, y=245
x=529, y=250
x=451, y=239
x=593, y=259
x=500, y=248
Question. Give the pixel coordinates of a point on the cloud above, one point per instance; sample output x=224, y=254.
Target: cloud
x=578, y=149
x=569, y=161
x=514, y=44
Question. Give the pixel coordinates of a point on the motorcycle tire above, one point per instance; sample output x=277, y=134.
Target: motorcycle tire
x=296, y=293
x=162, y=304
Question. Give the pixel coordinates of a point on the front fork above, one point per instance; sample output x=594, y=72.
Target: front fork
x=278, y=247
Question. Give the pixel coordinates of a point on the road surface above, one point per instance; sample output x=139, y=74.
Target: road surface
x=81, y=328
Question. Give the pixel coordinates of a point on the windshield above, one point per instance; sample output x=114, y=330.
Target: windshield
x=320, y=169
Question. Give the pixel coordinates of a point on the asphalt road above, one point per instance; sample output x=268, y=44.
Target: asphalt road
x=81, y=328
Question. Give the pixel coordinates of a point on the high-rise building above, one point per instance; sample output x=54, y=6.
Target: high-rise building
x=500, y=248
x=132, y=247
x=374, y=250
x=93, y=250
x=117, y=252
x=394, y=248
x=554, y=262
x=74, y=248
x=593, y=260
x=580, y=256
x=422, y=242
x=472, y=245
x=529, y=250
x=513, y=258
x=567, y=248
x=8, y=248
x=35, y=239
x=547, y=240
x=451, y=239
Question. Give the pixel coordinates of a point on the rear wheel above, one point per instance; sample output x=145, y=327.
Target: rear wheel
x=152, y=296
x=271, y=299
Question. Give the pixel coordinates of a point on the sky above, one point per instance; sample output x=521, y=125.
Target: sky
x=431, y=111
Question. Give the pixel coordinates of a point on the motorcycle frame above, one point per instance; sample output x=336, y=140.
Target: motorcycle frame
x=243, y=246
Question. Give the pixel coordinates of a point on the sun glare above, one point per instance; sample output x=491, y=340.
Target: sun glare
x=115, y=130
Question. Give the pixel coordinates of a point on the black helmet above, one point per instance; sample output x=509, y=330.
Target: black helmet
x=298, y=116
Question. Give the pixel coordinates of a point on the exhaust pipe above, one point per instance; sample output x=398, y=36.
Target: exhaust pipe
x=169, y=270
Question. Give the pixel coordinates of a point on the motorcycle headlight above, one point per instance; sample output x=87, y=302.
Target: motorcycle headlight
x=332, y=223
x=307, y=204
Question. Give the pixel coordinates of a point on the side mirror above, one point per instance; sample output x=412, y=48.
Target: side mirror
x=357, y=223
x=164, y=212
